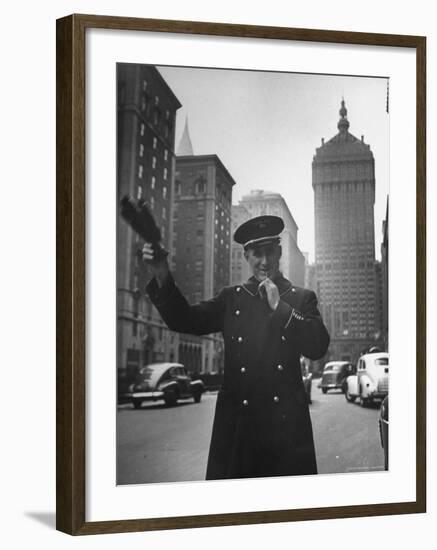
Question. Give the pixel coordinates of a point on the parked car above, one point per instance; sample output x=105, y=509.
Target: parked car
x=383, y=429
x=166, y=381
x=371, y=379
x=334, y=375
x=307, y=379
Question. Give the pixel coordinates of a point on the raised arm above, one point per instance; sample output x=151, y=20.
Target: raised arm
x=203, y=318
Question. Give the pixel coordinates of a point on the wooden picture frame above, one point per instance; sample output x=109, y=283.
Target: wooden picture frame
x=71, y=284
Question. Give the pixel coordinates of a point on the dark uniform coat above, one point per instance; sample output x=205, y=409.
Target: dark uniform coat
x=262, y=425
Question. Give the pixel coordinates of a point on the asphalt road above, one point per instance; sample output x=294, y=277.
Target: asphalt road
x=160, y=444
x=346, y=435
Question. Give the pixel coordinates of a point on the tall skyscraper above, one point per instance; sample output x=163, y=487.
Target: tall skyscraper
x=384, y=277
x=202, y=245
x=259, y=203
x=344, y=195
x=310, y=273
x=145, y=169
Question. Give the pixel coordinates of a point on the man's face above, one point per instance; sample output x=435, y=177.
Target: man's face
x=264, y=260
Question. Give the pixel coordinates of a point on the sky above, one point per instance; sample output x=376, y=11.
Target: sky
x=265, y=128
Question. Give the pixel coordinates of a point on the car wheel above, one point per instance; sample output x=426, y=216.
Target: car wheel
x=350, y=398
x=137, y=403
x=324, y=390
x=197, y=396
x=171, y=398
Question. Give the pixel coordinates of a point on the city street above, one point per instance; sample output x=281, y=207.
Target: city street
x=160, y=444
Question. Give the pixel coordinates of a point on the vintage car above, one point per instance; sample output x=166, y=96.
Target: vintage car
x=307, y=379
x=383, y=429
x=166, y=381
x=371, y=379
x=334, y=375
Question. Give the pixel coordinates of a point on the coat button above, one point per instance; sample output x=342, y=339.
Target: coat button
x=240, y=339
x=283, y=338
x=293, y=290
x=276, y=399
x=243, y=370
x=245, y=402
x=280, y=367
x=237, y=312
x=238, y=288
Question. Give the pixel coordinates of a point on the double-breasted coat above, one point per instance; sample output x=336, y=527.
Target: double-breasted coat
x=262, y=425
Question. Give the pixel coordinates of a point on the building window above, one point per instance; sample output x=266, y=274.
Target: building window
x=141, y=152
x=155, y=142
x=144, y=85
x=139, y=192
x=152, y=203
x=163, y=232
x=164, y=192
x=178, y=188
x=143, y=103
x=142, y=128
x=153, y=182
x=167, y=114
x=140, y=171
x=164, y=213
x=165, y=154
x=200, y=186
x=165, y=173
x=156, y=100
x=153, y=162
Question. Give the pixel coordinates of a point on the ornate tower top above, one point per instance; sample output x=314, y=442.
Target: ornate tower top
x=343, y=146
x=185, y=146
x=343, y=123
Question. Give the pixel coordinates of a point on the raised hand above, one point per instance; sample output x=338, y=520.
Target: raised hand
x=158, y=268
x=271, y=291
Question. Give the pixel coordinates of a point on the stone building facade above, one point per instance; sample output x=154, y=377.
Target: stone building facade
x=384, y=280
x=240, y=271
x=259, y=203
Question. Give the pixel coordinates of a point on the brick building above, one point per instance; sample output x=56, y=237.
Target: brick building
x=202, y=247
x=145, y=169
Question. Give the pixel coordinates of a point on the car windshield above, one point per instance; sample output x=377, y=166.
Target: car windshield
x=332, y=368
x=381, y=361
x=146, y=373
